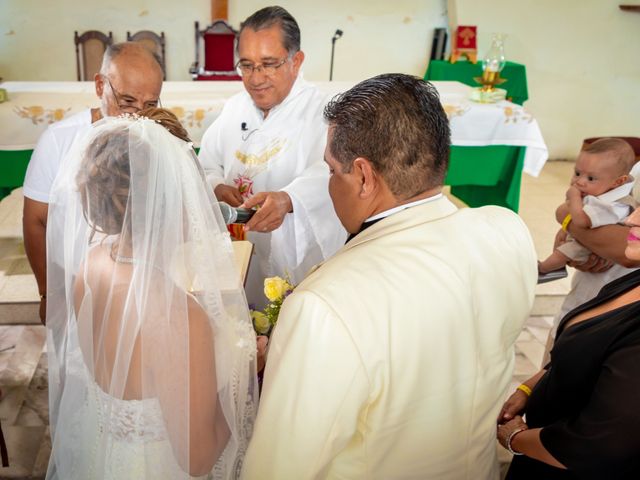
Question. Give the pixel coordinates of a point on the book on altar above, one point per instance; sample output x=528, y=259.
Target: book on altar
x=242, y=250
x=183, y=270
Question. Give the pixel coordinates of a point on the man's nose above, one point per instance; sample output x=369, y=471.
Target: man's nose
x=139, y=105
x=257, y=76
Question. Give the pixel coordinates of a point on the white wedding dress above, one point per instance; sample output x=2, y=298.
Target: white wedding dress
x=150, y=344
x=133, y=432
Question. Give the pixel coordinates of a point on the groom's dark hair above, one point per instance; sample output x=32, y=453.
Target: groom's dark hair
x=396, y=122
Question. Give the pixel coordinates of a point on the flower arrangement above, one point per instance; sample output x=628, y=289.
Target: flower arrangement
x=276, y=289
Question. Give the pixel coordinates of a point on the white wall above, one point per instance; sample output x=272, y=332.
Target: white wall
x=379, y=35
x=582, y=59
x=36, y=36
x=582, y=56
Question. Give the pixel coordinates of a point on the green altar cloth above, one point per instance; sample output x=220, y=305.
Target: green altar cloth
x=13, y=166
x=462, y=71
x=488, y=175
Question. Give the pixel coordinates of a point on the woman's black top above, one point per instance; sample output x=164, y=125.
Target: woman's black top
x=588, y=401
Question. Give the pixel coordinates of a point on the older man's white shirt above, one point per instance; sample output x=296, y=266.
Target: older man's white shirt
x=283, y=152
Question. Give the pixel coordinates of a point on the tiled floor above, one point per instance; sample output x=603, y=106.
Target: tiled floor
x=23, y=360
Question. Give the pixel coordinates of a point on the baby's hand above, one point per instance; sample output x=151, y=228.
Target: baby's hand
x=573, y=192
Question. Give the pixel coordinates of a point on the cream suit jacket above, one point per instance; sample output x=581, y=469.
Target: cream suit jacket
x=392, y=359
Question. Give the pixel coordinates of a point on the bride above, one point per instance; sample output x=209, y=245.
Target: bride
x=150, y=345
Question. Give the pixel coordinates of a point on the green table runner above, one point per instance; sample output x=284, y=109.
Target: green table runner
x=514, y=73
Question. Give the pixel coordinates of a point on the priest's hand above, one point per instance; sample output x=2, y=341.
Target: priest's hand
x=228, y=194
x=273, y=208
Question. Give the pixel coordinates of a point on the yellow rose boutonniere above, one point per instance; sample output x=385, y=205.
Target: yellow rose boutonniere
x=260, y=322
x=276, y=289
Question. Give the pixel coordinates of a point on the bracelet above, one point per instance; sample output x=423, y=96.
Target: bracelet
x=510, y=437
x=566, y=222
x=525, y=389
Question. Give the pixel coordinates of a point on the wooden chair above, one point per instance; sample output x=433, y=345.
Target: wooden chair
x=90, y=48
x=153, y=42
x=219, y=40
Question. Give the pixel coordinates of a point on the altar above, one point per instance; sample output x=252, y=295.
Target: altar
x=492, y=143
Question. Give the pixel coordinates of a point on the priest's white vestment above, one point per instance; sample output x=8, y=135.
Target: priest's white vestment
x=283, y=152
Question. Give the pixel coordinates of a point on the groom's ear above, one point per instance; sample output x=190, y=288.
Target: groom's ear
x=368, y=177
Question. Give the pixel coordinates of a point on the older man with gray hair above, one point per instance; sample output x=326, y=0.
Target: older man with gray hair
x=130, y=79
x=391, y=360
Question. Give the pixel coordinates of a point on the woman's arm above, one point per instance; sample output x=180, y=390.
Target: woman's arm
x=598, y=439
x=187, y=388
x=516, y=435
x=517, y=402
x=608, y=241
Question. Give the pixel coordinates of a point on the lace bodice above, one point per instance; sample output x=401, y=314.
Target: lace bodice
x=135, y=421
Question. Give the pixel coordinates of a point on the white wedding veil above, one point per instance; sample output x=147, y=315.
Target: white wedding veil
x=150, y=344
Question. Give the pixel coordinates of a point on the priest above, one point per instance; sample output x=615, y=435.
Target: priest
x=266, y=150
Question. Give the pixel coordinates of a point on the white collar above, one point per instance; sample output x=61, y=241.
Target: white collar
x=618, y=192
x=399, y=208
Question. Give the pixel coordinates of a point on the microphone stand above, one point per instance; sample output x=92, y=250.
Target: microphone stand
x=335, y=37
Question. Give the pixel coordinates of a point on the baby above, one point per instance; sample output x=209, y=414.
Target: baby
x=598, y=195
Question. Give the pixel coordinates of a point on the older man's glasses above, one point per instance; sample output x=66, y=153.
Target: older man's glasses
x=128, y=104
x=246, y=69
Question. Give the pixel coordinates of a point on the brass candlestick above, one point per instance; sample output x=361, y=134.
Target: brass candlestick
x=489, y=80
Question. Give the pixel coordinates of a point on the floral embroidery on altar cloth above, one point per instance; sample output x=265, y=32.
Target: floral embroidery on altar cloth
x=191, y=118
x=38, y=114
x=453, y=110
x=514, y=114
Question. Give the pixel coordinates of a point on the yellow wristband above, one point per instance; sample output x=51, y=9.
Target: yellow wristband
x=566, y=222
x=524, y=388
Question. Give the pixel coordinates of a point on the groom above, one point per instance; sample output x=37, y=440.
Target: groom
x=391, y=360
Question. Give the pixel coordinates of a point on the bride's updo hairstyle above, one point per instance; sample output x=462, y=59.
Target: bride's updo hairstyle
x=168, y=120
x=104, y=176
x=103, y=181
